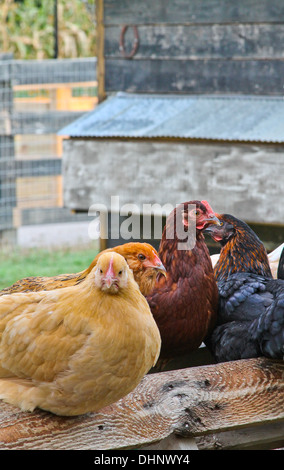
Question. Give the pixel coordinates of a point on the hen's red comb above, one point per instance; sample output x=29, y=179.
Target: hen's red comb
x=208, y=207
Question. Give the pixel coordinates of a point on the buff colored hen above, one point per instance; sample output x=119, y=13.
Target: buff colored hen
x=77, y=349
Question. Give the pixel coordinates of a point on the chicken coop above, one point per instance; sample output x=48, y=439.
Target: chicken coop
x=190, y=107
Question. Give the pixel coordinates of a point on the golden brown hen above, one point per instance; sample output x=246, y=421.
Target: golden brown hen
x=77, y=349
x=142, y=258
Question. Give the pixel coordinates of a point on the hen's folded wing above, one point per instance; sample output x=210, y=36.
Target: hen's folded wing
x=243, y=296
x=36, y=339
x=268, y=328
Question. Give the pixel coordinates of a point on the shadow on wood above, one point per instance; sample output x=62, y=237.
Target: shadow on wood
x=169, y=408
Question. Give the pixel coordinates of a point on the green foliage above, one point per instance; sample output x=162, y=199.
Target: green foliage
x=27, y=29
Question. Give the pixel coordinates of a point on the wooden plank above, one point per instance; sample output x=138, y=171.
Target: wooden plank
x=250, y=41
x=188, y=402
x=211, y=76
x=100, y=49
x=268, y=436
x=195, y=11
x=174, y=442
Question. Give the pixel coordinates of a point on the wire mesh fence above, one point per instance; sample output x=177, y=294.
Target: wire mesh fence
x=37, y=99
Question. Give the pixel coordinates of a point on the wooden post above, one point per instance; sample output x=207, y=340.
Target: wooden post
x=100, y=50
x=101, y=83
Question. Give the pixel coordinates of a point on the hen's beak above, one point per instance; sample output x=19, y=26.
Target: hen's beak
x=209, y=229
x=109, y=281
x=157, y=265
x=161, y=268
x=212, y=220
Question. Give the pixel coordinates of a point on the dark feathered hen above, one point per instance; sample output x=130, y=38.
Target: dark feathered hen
x=184, y=304
x=250, y=320
x=242, y=250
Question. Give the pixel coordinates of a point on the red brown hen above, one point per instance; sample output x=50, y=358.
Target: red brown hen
x=184, y=304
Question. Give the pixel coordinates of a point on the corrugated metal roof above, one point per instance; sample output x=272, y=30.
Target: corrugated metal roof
x=236, y=118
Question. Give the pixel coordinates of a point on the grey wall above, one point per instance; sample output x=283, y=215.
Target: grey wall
x=245, y=180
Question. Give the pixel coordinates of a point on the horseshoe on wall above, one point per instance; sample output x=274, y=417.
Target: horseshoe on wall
x=135, y=43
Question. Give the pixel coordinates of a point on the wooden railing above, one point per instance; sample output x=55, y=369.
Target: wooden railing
x=234, y=405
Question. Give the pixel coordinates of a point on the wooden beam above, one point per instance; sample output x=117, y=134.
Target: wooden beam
x=195, y=11
x=268, y=436
x=100, y=49
x=195, y=76
x=186, y=402
x=212, y=41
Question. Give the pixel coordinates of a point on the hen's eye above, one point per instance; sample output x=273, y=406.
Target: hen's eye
x=221, y=223
x=197, y=212
x=142, y=257
x=101, y=271
x=120, y=272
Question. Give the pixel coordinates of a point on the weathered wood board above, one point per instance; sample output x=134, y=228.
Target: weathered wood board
x=213, y=41
x=195, y=11
x=190, y=402
x=194, y=47
x=263, y=77
x=242, y=179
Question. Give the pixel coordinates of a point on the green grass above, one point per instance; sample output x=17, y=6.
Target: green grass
x=17, y=264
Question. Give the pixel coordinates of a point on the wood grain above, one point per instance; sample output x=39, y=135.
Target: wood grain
x=214, y=41
x=268, y=436
x=218, y=46
x=186, y=402
x=100, y=49
x=195, y=11
x=256, y=77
